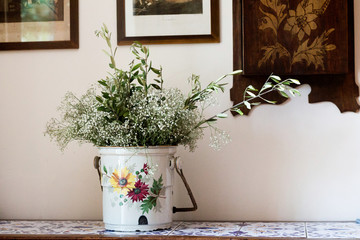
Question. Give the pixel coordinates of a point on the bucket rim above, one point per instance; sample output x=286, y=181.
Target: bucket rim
x=138, y=147
x=138, y=150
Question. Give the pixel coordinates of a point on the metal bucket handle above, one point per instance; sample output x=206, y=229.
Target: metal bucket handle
x=178, y=168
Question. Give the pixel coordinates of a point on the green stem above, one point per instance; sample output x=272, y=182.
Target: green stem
x=241, y=103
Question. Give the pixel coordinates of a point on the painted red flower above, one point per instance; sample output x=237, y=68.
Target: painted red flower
x=146, y=168
x=140, y=191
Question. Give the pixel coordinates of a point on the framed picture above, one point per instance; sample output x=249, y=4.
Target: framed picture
x=39, y=24
x=168, y=21
x=310, y=40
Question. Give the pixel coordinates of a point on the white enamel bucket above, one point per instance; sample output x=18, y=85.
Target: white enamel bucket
x=137, y=187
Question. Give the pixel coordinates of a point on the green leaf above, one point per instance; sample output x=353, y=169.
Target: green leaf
x=294, y=92
x=103, y=82
x=135, y=67
x=255, y=103
x=102, y=109
x=113, y=88
x=105, y=170
x=148, y=204
x=99, y=99
x=238, y=111
x=211, y=120
x=155, y=86
x=280, y=87
x=251, y=94
x=251, y=87
x=116, y=48
x=266, y=86
x=269, y=101
x=157, y=71
x=275, y=78
x=222, y=115
x=138, y=88
x=247, y=104
x=140, y=81
x=157, y=186
x=105, y=95
x=236, y=72
x=282, y=93
x=294, y=81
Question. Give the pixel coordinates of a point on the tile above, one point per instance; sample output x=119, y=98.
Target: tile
x=333, y=230
x=221, y=229
x=273, y=229
x=51, y=227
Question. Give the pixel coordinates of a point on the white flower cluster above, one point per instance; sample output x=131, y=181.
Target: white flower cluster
x=219, y=138
x=156, y=119
x=161, y=119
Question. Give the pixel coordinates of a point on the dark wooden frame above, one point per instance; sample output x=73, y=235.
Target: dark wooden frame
x=214, y=37
x=340, y=89
x=72, y=43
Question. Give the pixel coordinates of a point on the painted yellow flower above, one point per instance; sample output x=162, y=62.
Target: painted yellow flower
x=301, y=21
x=124, y=183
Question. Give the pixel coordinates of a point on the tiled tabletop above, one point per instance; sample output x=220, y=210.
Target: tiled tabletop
x=288, y=230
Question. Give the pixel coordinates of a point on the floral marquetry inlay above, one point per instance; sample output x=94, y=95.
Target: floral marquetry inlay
x=295, y=36
x=310, y=40
x=300, y=23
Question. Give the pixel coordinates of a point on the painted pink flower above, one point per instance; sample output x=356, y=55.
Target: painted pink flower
x=146, y=169
x=140, y=191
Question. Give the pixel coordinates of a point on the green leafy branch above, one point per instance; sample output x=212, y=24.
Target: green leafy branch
x=198, y=95
x=120, y=85
x=142, y=69
x=273, y=83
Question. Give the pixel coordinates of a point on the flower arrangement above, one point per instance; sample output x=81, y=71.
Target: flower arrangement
x=127, y=108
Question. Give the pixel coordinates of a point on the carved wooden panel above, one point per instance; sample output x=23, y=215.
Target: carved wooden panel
x=310, y=40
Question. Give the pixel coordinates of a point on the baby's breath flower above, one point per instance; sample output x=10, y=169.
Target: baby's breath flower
x=219, y=138
x=156, y=119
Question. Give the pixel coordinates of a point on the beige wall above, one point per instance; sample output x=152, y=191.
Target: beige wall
x=297, y=161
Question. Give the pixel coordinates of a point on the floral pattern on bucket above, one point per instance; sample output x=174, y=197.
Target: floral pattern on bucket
x=134, y=187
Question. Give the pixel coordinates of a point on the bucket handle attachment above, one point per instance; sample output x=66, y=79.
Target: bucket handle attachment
x=178, y=168
x=97, y=167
